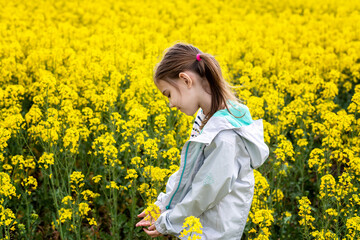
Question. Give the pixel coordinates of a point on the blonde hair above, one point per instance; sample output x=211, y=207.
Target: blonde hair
x=182, y=57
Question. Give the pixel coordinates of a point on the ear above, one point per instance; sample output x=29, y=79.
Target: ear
x=185, y=78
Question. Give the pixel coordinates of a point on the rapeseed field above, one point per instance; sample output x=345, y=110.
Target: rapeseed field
x=87, y=141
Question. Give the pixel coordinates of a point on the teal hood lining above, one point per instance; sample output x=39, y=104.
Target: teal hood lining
x=238, y=117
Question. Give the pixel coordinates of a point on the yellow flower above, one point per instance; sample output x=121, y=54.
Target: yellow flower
x=355, y=101
x=317, y=159
x=331, y=212
x=160, y=123
x=304, y=212
x=345, y=185
x=261, y=192
x=256, y=107
x=67, y=199
x=152, y=212
x=71, y=139
x=46, y=159
x=327, y=186
x=7, y=217
x=97, y=178
x=353, y=226
x=124, y=146
x=18, y=160
x=170, y=140
x=285, y=149
x=113, y=185
x=277, y=195
x=65, y=214
x=263, y=218
x=302, y=142
x=287, y=214
x=330, y=90
x=157, y=174
x=137, y=161
x=34, y=115
x=173, y=154
x=84, y=209
x=143, y=188
x=48, y=131
x=6, y=188
x=105, y=146
x=76, y=179
x=92, y=221
x=88, y=193
x=30, y=181
x=194, y=227
x=151, y=148
x=7, y=167
x=131, y=174
x=4, y=137
x=324, y=235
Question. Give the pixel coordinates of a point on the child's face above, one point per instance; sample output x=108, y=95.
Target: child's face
x=186, y=100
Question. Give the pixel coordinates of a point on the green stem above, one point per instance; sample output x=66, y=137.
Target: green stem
x=115, y=207
x=337, y=218
x=27, y=214
x=56, y=204
x=78, y=217
x=133, y=205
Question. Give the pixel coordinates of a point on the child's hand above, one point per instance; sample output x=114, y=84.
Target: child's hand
x=151, y=231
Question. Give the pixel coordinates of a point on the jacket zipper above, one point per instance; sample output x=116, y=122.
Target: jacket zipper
x=182, y=173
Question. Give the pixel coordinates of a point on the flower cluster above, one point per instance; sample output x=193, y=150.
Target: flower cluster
x=192, y=228
x=46, y=160
x=152, y=213
x=76, y=181
x=305, y=213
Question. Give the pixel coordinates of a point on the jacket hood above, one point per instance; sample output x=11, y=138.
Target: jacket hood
x=251, y=131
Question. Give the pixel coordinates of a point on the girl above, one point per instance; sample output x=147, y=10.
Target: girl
x=215, y=181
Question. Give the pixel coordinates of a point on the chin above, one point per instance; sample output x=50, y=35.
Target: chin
x=192, y=113
x=184, y=111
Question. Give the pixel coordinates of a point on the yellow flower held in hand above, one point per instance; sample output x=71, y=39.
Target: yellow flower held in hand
x=152, y=212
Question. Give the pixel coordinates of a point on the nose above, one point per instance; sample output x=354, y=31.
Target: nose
x=171, y=105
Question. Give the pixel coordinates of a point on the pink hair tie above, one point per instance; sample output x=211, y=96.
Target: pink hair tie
x=198, y=57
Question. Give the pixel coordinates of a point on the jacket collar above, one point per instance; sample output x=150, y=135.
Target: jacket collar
x=251, y=131
x=223, y=120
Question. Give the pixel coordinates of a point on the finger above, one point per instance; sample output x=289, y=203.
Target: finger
x=142, y=214
x=152, y=227
x=143, y=223
x=146, y=231
x=151, y=233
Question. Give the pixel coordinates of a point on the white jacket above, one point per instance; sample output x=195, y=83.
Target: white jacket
x=215, y=181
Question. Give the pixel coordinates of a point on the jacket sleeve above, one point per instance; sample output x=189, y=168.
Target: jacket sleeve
x=212, y=182
x=162, y=197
